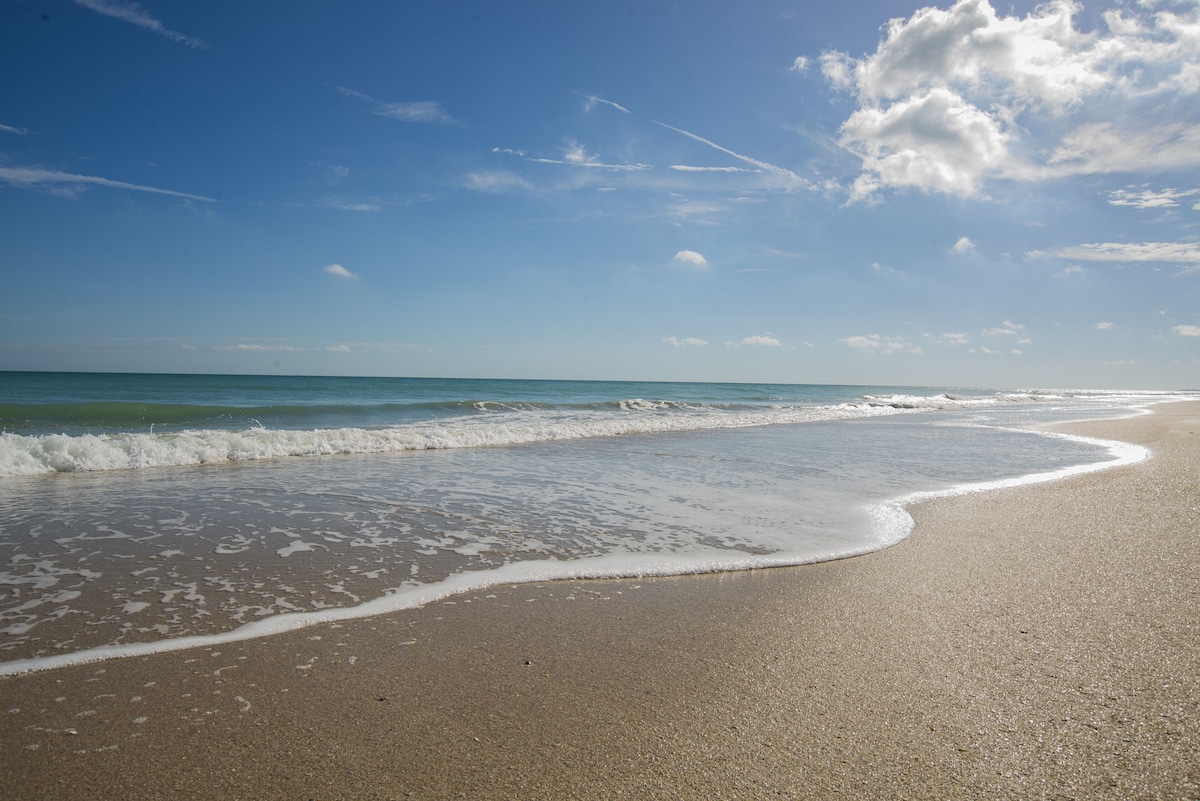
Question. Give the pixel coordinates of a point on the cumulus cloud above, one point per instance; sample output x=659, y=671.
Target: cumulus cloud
x=963, y=245
x=692, y=259
x=952, y=97
x=424, y=111
x=1170, y=252
x=875, y=343
x=131, y=13
x=1187, y=330
x=339, y=271
x=1105, y=326
x=32, y=177
x=762, y=340
x=685, y=342
x=800, y=64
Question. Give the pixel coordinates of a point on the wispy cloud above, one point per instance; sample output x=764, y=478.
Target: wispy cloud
x=339, y=271
x=955, y=339
x=574, y=155
x=691, y=258
x=591, y=101
x=10, y=129
x=247, y=347
x=1187, y=330
x=800, y=64
x=791, y=178
x=32, y=177
x=495, y=181
x=685, y=342
x=134, y=15
x=350, y=205
x=690, y=168
x=1149, y=198
x=422, y=111
x=1170, y=252
x=1104, y=326
x=876, y=343
x=1008, y=329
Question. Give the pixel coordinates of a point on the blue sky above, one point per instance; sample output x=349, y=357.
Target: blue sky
x=880, y=192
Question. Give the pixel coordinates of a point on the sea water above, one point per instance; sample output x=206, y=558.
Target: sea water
x=141, y=513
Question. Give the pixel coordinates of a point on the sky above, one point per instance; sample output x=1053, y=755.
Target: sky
x=877, y=192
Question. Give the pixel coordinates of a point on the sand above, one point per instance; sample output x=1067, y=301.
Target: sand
x=1040, y=642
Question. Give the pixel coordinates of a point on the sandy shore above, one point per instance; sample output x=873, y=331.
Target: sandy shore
x=1042, y=642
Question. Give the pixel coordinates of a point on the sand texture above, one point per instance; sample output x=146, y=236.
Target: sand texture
x=1040, y=642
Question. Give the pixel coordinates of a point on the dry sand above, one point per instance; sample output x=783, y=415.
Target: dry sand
x=1042, y=642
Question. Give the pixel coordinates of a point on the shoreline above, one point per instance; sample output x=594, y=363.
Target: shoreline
x=1023, y=642
x=891, y=520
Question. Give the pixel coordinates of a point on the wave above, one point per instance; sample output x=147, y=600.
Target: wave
x=26, y=455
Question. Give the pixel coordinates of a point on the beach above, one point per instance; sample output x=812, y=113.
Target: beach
x=1035, y=642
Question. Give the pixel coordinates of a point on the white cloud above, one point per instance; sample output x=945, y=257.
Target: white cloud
x=685, y=342
x=496, y=181
x=339, y=349
x=874, y=343
x=689, y=168
x=131, y=13
x=955, y=339
x=1149, y=198
x=426, y=111
x=10, y=129
x=1007, y=328
x=692, y=258
x=1106, y=147
x=339, y=271
x=591, y=101
x=791, y=179
x=952, y=97
x=1105, y=326
x=800, y=64
x=31, y=177
x=253, y=348
x=1170, y=252
x=1187, y=330
x=760, y=341
x=963, y=245
x=935, y=141
x=575, y=155
x=350, y=205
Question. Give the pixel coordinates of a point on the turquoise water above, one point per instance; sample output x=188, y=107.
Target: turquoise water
x=139, y=511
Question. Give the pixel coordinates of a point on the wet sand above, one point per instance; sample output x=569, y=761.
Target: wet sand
x=1041, y=642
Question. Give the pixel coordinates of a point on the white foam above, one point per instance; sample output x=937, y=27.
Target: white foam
x=894, y=523
x=27, y=455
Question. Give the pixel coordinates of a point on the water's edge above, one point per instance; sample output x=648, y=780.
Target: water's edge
x=891, y=519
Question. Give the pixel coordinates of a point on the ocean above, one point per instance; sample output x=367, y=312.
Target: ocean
x=142, y=513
